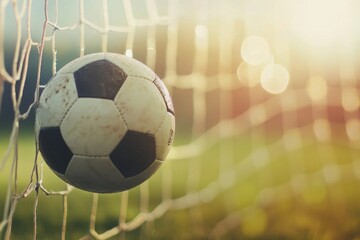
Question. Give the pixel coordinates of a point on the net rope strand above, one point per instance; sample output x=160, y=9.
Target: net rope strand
x=202, y=139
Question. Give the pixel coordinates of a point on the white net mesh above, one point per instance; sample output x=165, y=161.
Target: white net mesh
x=268, y=129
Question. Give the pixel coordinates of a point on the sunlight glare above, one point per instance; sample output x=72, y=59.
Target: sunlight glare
x=321, y=22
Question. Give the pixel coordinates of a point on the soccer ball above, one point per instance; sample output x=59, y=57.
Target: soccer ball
x=105, y=123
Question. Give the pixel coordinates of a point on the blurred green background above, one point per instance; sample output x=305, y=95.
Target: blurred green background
x=261, y=205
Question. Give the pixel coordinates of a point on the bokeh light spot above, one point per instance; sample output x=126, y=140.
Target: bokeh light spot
x=316, y=88
x=353, y=129
x=201, y=31
x=322, y=129
x=275, y=78
x=255, y=50
x=350, y=99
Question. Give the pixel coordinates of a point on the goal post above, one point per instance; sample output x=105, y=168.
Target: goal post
x=267, y=113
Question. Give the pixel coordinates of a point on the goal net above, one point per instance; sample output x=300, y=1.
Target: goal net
x=267, y=115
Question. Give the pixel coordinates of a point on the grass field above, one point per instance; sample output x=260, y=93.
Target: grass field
x=276, y=201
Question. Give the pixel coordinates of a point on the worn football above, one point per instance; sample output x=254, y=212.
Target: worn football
x=105, y=123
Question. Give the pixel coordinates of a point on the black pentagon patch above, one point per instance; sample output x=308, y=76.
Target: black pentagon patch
x=134, y=153
x=99, y=79
x=165, y=94
x=54, y=149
